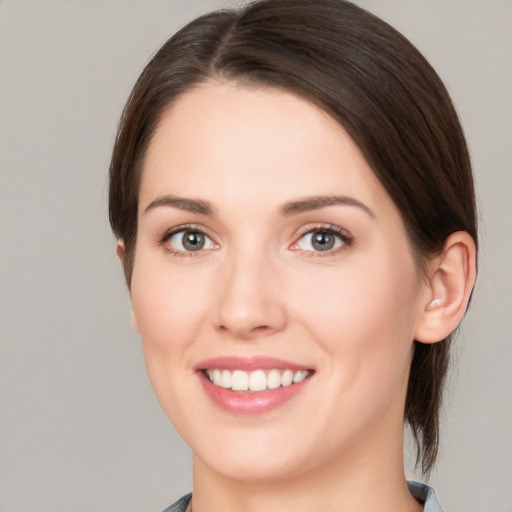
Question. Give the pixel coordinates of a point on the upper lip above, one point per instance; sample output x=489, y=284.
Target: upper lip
x=249, y=364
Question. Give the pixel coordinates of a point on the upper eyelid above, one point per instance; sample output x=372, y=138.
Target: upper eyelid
x=325, y=227
x=166, y=234
x=164, y=241
x=346, y=236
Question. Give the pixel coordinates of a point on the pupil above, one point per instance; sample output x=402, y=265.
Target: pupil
x=323, y=241
x=193, y=241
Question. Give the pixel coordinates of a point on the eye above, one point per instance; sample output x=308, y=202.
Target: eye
x=189, y=240
x=322, y=240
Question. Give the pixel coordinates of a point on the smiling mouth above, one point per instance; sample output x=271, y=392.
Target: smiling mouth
x=257, y=380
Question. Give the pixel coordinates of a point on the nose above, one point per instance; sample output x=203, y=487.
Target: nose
x=250, y=301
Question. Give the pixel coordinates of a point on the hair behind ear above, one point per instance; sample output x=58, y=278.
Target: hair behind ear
x=451, y=278
x=424, y=398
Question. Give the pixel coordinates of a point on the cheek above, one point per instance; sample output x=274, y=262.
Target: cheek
x=166, y=303
x=363, y=316
x=170, y=309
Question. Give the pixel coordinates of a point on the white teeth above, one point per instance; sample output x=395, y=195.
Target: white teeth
x=225, y=379
x=258, y=380
x=287, y=378
x=300, y=376
x=217, y=377
x=239, y=381
x=273, y=379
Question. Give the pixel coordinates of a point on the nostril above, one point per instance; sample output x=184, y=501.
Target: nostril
x=248, y=302
x=243, y=331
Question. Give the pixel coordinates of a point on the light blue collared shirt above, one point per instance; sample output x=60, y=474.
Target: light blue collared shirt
x=426, y=495
x=422, y=492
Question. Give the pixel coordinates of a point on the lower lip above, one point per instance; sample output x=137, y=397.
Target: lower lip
x=251, y=403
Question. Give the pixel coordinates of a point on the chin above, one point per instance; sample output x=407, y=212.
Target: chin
x=249, y=455
x=248, y=468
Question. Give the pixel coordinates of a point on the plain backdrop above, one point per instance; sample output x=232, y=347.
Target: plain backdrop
x=80, y=429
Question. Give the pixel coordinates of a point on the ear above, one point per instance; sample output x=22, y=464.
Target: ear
x=133, y=321
x=121, y=253
x=120, y=249
x=451, y=280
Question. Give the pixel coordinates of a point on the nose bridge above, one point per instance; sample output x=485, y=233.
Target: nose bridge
x=249, y=302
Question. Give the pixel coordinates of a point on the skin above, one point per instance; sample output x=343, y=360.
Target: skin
x=260, y=288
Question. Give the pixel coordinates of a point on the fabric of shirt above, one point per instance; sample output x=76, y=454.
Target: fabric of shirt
x=422, y=492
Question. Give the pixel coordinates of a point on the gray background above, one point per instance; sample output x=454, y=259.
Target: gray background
x=79, y=427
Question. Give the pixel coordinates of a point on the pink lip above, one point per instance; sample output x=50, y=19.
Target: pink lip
x=248, y=364
x=245, y=402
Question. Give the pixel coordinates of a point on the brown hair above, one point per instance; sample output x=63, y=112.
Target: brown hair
x=364, y=74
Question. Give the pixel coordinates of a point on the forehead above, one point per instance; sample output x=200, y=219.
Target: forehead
x=222, y=139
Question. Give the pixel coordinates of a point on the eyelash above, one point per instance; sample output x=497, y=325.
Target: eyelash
x=179, y=229
x=345, y=238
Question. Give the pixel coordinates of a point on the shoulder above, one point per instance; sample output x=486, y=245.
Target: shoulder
x=426, y=495
x=180, y=505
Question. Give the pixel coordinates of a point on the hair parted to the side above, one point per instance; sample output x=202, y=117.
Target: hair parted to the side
x=364, y=74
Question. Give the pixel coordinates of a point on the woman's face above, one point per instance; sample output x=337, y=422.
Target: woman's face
x=268, y=252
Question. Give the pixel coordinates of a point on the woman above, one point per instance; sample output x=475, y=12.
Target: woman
x=293, y=202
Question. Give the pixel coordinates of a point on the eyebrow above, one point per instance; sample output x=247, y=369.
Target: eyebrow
x=290, y=208
x=317, y=202
x=182, y=203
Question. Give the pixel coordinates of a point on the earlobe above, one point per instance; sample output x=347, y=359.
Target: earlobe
x=120, y=249
x=133, y=321
x=451, y=280
x=121, y=253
